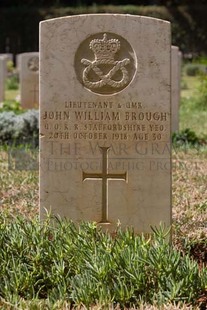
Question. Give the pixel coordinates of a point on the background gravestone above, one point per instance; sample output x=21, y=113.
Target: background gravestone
x=175, y=81
x=17, y=61
x=9, y=61
x=8, y=56
x=3, y=75
x=29, y=80
x=105, y=120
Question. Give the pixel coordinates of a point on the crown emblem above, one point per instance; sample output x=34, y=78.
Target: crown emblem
x=105, y=49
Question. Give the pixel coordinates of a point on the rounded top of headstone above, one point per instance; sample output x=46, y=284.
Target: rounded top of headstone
x=105, y=16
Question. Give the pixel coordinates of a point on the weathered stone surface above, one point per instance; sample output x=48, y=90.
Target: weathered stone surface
x=105, y=120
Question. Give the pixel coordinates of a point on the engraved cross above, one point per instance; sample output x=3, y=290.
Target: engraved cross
x=35, y=91
x=104, y=176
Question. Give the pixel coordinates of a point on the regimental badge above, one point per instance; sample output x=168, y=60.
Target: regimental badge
x=33, y=64
x=111, y=65
x=104, y=51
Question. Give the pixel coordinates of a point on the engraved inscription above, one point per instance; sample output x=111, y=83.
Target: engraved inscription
x=103, y=120
x=104, y=176
x=105, y=63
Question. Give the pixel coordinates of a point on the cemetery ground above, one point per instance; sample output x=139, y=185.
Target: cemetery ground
x=45, y=267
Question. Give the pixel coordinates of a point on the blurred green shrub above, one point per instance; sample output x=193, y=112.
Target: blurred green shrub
x=194, y=69
x=11, y=105
x=186, y=137
x=12, y=82
x=201, y=60
x=10, y=66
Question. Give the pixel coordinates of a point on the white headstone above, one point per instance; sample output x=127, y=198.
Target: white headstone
x=17, y=60
x=3, y=75
x=29, y=80
x=175, y=84
x=9, y=59
x=8, y=56
x=105, y=120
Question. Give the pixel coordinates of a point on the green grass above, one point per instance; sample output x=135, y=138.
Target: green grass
x=193, y=118
x=191, y=85
x=191, y=114
x=82, y=265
